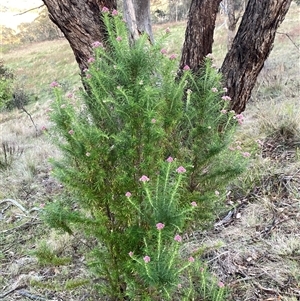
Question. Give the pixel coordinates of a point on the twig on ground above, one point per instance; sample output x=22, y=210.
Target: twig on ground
x=20, y=226
x=11, y=291
x=14, y=202
x=31, y=296
x=17, y=204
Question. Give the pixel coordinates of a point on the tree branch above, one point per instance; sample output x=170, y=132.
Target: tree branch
x=26, y=11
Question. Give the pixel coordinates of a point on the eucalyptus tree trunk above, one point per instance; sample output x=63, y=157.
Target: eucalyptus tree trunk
x=80, y=23
x=137, y=16
x=199, y=32
x=251, y=47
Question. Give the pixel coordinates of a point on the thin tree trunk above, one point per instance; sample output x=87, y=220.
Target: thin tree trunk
x=129, y=16
x=199, y=32
x=142, y=13
x=80, y=22
x=231, y=22
x=251, y=47
x=137, y=16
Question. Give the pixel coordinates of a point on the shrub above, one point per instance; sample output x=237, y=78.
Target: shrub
x=146, y=159
x=6, y=85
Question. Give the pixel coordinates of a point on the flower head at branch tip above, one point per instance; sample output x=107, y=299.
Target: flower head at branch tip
x=71, y=132
x=130, y=253
x=215, y=90
x=221, y=284
x=173, y=56
x=105, y=9
x=160, y=226
x=194, y=204
x=181, y=169
x=97, y=44
x=246, y=155
x=240, y=118
x=91, y=60
x=144, y=179
x=168, y=30
x=226, y=98
x=209, y=56
x=170, y=160
x=146, y=259
x=153, y=120
x=54, y=84
x=128, y=194
x=163, y=51
x=114, y=12
x=191, y=259
x=118, y=38
x=178, y=238
x=186, y=68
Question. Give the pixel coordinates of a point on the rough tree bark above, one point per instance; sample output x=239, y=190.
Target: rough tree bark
x=251, y=47
x=80, y=22
x=199, y=32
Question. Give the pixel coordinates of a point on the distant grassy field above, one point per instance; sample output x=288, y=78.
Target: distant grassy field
x=256, y=255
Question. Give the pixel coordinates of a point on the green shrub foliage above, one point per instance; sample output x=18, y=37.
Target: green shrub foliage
x=6, y=86
x=146, y=158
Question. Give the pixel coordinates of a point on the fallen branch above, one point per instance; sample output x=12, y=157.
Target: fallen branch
x=19, y=227
x=14, y=202
x=31, y=296
x=11, y=291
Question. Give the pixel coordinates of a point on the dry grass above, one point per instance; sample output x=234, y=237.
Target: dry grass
x=255, y=251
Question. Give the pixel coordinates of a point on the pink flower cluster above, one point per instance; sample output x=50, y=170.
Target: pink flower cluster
x=240, y=118
x=173, y=56
x=181, y=169
x=178, y=238
x=226, y=98
x=170, y=160
x=147, y=259
x=105, y=9
x=97, y=44
x=54, y=84
x=144, y=179
x=91, y=60
x=160, y=226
